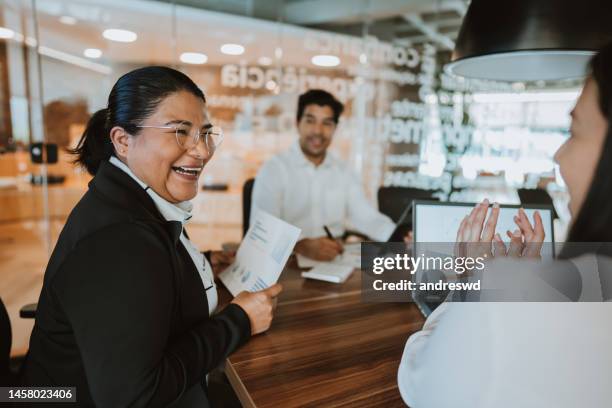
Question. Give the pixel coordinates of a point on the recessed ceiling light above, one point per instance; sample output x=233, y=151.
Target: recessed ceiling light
x=92, y=53
x=193, y=58
x=68, y=20
x=116, y=34
x=232, y=49
x=6, y=33
x=265, y=61
x=325, y=60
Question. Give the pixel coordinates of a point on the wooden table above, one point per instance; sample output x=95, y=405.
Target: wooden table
x=325, y=348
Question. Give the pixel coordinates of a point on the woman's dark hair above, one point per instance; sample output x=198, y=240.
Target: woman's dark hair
x=134, y=97
x=593, y=223
x=321, y=98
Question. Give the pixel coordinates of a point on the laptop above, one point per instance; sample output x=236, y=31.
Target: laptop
x=438, y=222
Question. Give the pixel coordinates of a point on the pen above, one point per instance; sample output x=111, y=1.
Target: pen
x=329, y=235
x=328, y=232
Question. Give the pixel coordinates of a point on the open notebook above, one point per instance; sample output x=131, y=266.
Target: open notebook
x=337, y=270
x=329, y=272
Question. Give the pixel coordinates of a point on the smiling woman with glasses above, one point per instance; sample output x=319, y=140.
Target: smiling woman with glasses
x=128, y=310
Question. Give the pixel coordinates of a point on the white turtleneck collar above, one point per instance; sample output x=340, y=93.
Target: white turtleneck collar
x=171, y=212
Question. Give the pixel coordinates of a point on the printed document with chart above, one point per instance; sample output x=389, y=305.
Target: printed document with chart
x=262, y=255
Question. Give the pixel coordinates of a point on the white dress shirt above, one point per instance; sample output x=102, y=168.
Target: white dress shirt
x=528, y=355
x=180, y=212
x=292, y=188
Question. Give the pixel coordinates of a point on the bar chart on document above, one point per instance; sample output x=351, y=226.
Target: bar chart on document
x=262, y=255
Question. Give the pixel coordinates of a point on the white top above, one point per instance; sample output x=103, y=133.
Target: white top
x=180, y=212
x=500, y=355
x=292, y=188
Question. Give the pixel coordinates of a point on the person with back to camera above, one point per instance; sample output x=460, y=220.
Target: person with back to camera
x=128, y=309
x=539, y=354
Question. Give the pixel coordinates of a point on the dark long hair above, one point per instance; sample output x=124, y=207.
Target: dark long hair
x=593, y=223
x=134, y=98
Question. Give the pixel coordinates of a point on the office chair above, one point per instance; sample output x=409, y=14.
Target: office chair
x=392, y=201
x=28, y=311
x=6, y=339
x=247, y=194
x=536, y=196
x=9, y=367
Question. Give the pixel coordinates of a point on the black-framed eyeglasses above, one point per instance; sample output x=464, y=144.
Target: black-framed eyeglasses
x=188, y=136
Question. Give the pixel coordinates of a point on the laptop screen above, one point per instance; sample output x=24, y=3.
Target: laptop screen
x=439, y=222
x=435, y=222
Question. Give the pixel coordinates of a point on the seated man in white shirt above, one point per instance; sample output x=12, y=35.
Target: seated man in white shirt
x=310, y=188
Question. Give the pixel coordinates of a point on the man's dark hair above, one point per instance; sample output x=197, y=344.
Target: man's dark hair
x=321, y=98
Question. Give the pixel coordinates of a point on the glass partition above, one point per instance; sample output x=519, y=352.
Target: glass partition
x=406, y=122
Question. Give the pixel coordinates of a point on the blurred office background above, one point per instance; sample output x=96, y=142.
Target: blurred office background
x=407, y=123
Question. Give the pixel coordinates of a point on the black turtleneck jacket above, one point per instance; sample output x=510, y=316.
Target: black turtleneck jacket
x=123, y=314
